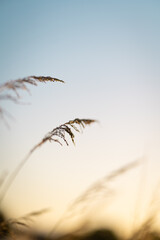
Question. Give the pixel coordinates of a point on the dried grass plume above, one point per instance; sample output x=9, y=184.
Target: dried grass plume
x=56, y=135
x=20, y=84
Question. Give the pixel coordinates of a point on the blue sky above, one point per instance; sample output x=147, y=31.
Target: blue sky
x=108, y=54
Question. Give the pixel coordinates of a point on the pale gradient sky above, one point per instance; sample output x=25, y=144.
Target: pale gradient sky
x=108, y=53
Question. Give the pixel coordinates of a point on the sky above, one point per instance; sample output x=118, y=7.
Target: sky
x=108, y=54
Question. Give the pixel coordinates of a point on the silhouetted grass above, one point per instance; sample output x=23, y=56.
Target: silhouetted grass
x=20, y=84
x=20, y=227
x=55, y=135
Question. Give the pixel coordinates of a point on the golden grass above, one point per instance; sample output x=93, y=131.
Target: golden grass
x=96, y=191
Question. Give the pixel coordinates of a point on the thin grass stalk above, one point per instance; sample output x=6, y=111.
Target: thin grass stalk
x=55, y=135
x=14, y=174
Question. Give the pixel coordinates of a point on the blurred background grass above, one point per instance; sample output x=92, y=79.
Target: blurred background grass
x=108, y=54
